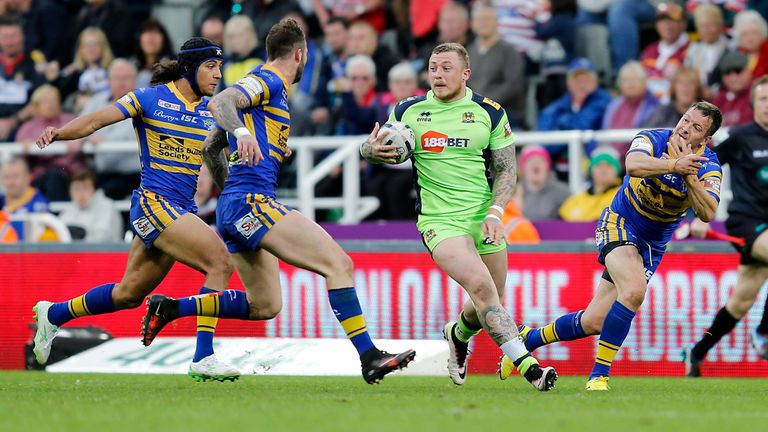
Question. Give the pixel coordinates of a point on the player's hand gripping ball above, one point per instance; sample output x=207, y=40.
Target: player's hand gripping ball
x=401, y=136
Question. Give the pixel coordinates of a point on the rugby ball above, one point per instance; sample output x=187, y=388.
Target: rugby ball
x=401, y=136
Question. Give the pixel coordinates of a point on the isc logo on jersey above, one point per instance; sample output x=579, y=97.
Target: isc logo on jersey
x=436, y=142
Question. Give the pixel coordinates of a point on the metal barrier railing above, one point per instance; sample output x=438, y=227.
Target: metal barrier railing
x=344, y=152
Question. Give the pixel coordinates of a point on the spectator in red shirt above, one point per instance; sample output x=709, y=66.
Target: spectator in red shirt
x=663, y=58
x=733, y=98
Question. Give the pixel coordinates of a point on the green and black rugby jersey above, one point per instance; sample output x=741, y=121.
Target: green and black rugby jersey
x=452, y=154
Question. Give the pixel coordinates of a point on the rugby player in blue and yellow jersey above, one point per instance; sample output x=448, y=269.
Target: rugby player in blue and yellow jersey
x=668, y=172
x=171, y=121
x=254, y=122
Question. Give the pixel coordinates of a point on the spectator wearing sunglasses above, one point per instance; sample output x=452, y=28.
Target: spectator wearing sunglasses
x=733, y=97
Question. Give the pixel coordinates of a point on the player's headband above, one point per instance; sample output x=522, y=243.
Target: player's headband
x=191, y=58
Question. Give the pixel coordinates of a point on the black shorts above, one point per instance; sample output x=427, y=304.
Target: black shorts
x=749, y=229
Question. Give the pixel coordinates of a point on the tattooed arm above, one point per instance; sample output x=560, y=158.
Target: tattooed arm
x=214, y=158
x=504, y=183
x=504, y=175
x=224, y=108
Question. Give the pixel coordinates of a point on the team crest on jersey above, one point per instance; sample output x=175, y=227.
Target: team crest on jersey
x=208, y=123
x=469, y=117
x=168, y=105
x=248, y=225
x=143, y=226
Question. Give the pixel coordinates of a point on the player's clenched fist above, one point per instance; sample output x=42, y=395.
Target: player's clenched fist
x=47, y=137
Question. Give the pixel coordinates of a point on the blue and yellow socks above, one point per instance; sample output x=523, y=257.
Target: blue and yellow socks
x=615, y=330
x=464, y=330
x=223, y=304
x=206, y=326
x=95, y=302
x=347, y=309
x=567, y=327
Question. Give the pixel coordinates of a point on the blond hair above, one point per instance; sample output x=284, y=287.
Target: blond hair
x=106, y=51
x=453, y=47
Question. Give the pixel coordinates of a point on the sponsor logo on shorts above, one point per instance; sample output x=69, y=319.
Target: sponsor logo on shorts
x=248, y=225
x=143, y=226
x=168, y=105
x=429, y=235
x=436, y=142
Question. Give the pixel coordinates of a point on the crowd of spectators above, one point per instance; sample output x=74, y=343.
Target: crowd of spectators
x=63, y=58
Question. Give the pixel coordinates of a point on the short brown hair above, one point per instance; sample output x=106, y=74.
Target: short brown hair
x=283, y=38
x=453, y=47
x=758, y=82
x=83, y=175
x=713, y=112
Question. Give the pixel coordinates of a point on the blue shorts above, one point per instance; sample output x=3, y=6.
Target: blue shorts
x=151, y=214
x=244, y=218
x=613, y=230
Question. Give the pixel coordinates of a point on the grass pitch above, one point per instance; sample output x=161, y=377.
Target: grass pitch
x=37, y=401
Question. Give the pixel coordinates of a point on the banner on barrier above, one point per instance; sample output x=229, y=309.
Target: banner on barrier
x=251, y=356
x=405, y=296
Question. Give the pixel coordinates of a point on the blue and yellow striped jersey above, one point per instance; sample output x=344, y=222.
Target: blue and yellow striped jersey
x=655, y=205
x=269, y=121
x=170, y=131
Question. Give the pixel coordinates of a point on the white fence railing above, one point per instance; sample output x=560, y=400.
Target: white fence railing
x=344, y=153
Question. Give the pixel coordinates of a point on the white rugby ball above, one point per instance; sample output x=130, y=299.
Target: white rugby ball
x=401, y=136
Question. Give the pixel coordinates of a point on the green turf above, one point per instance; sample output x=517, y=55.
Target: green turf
x=43, y=402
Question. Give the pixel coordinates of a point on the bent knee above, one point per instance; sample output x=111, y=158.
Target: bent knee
x=220, y=265
x=264, y=311
x=341, y=265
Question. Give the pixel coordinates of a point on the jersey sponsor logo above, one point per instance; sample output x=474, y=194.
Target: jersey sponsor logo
x=492, y=103
x=248, y=225
x=436, y=142
x=143, y=226
x=284, y=100
x=205, y=113
x=424, y=117
x=251, y=85
x=429, y=235
x=507, y=130
x=641, y=143
x=468, y=117
x=168, y=105
x=757, y=154
x=188, y=118
x=162, y=115
x=127, y=99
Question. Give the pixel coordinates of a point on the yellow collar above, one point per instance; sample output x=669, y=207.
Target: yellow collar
x=277, y=72
x=189, y=106
x=11, y=207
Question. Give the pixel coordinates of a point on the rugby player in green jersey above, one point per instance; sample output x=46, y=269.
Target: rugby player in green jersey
x=465, y=173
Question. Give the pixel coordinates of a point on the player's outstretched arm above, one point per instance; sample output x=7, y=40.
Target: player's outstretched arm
x=81, y=126
x=643, y=165
x=224, y=108
x=214, y=157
